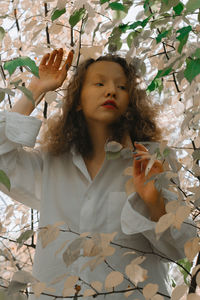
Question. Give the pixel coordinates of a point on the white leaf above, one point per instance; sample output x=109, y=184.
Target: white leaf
x=89, y=292
x=172, y=206
x=48, y=234
x=23, y=277
x=179, y=292
x=198, y=279
x=38, y=288
x=179, y=108
x=126, y=153
x=150, y=164
x=70, y=282
x=108, y=251
x=50, y=97
x=138, y=260
x=113, y=279
x=61, y=247
x=191, y=248
x=150, y=290
x=67, y=292
x=157, y=297
x=113, y=146
x=30, y=25
x=164, y=223
x=84, y=234
x=97, y=285
x=136, y=273
x=72, y=252
x=61, y=4
x=127, y=294
x=58, y=279
x=193, y=297
x=182, y=213
x=129, y=252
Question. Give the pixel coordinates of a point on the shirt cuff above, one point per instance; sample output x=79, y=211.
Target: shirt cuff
x=134, y=209
x=17, y=129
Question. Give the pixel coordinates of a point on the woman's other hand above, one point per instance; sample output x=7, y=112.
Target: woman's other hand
x=147, y=191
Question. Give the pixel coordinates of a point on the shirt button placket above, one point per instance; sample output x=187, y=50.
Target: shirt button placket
x=86, y=214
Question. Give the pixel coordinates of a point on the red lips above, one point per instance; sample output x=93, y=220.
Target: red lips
x=110, y=102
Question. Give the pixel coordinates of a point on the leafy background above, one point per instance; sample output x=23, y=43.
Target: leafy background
x=162, y=39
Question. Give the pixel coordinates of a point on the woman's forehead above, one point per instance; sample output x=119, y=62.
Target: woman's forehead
x=105, y=69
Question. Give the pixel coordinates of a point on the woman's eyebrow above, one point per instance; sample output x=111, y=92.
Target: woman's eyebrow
x=117, y=78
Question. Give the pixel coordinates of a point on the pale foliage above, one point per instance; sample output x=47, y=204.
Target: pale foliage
x=24, y=26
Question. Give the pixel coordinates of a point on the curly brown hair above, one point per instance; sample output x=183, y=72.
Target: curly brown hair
x=70, y=129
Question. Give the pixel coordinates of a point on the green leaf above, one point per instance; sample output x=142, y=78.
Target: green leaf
x=187, y=265
x=124, y=27
x=115, y=45
x=57, y=13
x=2, y=33
x=192, y=5
x=130, y=38
x=164, y=72
x=4, y=17
x=117, y=6
x=178, y=8
x=24, y=237
x=77, y=16
x=192, y=69
x=162, y=35
x=147, y=5
x=7, y=91
x=199, y=16
x=16, y=83
x=196, y=53
x=104, y=1
x=114, y=40
x=2, y=96
x=196, y=154
x=166, y=152
x=167, y=5
x=4, y=179
x=12, y=65
x=27, y=93
x=112, y=155
x=155, y=84
x=183, y=37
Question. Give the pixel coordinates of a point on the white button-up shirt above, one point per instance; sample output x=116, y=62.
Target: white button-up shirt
x=62, y=190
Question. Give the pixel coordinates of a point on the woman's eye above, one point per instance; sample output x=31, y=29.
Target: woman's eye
x=122, y=87
x=99, y=84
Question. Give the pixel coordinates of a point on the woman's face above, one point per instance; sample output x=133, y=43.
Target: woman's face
x=104, y=95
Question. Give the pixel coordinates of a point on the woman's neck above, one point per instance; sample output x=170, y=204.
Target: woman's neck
x=99, y=135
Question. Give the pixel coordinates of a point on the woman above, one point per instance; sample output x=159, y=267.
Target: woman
x=69, y=178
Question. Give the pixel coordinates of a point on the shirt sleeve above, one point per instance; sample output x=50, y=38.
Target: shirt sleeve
x=135, y=219
x=23, y=167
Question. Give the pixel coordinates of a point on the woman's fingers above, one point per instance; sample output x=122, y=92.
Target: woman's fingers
x=52, y=57
x=140, y=147
x=139, y=164
x=58, y=58
x=45, y=59
x=69, y=60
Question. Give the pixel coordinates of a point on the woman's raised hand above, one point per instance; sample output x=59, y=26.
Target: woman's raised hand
x=50, y=73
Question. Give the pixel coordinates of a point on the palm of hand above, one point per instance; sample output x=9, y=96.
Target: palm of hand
x=51, y=78
x=50, y=75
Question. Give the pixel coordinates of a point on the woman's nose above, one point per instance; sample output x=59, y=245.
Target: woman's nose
x=110, y=90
